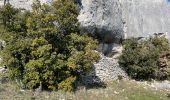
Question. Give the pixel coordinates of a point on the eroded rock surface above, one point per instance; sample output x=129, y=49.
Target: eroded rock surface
x=102, y=18
x=115, y=19
x=146, y=17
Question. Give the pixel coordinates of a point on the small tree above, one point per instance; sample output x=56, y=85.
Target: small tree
x=66, y=16
x=51, y=53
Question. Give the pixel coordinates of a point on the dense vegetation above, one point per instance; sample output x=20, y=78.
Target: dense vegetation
x=44, y=47
x=146, y=59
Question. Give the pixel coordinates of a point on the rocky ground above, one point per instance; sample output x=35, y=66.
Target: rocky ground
x=157, y=85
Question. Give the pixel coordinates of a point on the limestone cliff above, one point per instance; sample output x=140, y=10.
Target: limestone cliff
x=136, y=18
x=103, y=18
x=145, y=17
x=115, y=19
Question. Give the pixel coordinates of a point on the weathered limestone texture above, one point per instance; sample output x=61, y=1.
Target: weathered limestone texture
x=102, y=18
x=115, y=19
x=137, y=18
x=146, y=17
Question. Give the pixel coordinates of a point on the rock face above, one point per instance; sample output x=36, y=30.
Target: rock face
x=136, y=18
x=112, y=20
x=102, y=18
x=145, y=17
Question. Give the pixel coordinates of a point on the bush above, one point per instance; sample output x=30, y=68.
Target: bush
x=164, y=66
x=141, y=58
x=46, y=50
x=8, y=16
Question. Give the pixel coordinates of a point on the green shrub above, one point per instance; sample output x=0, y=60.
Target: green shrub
x=40, y=52
x=8, y=16
x=163, y=66
x=141, y=58
x=67, y=84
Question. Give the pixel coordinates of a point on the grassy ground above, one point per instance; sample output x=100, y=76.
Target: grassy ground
x=122, y=90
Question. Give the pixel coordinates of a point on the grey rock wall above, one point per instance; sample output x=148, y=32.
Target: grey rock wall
x=145, y=17
x=102, y=18
x=115, y=19
x=137, y=18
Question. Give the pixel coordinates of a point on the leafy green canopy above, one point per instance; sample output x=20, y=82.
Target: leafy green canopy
x=44, y=47
x=141, y=58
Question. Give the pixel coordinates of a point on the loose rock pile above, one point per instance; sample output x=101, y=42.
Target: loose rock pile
x=106, y=69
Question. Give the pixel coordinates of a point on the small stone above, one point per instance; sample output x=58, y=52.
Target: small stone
x=115, y=92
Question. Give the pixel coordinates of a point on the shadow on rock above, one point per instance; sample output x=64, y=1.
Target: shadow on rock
x=90, y=80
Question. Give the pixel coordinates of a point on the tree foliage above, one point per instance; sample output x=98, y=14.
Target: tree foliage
x=44, y=46
x=8, y=16
x=141, y=58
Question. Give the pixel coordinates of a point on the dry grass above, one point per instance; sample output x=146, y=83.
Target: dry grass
x=122, y=90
